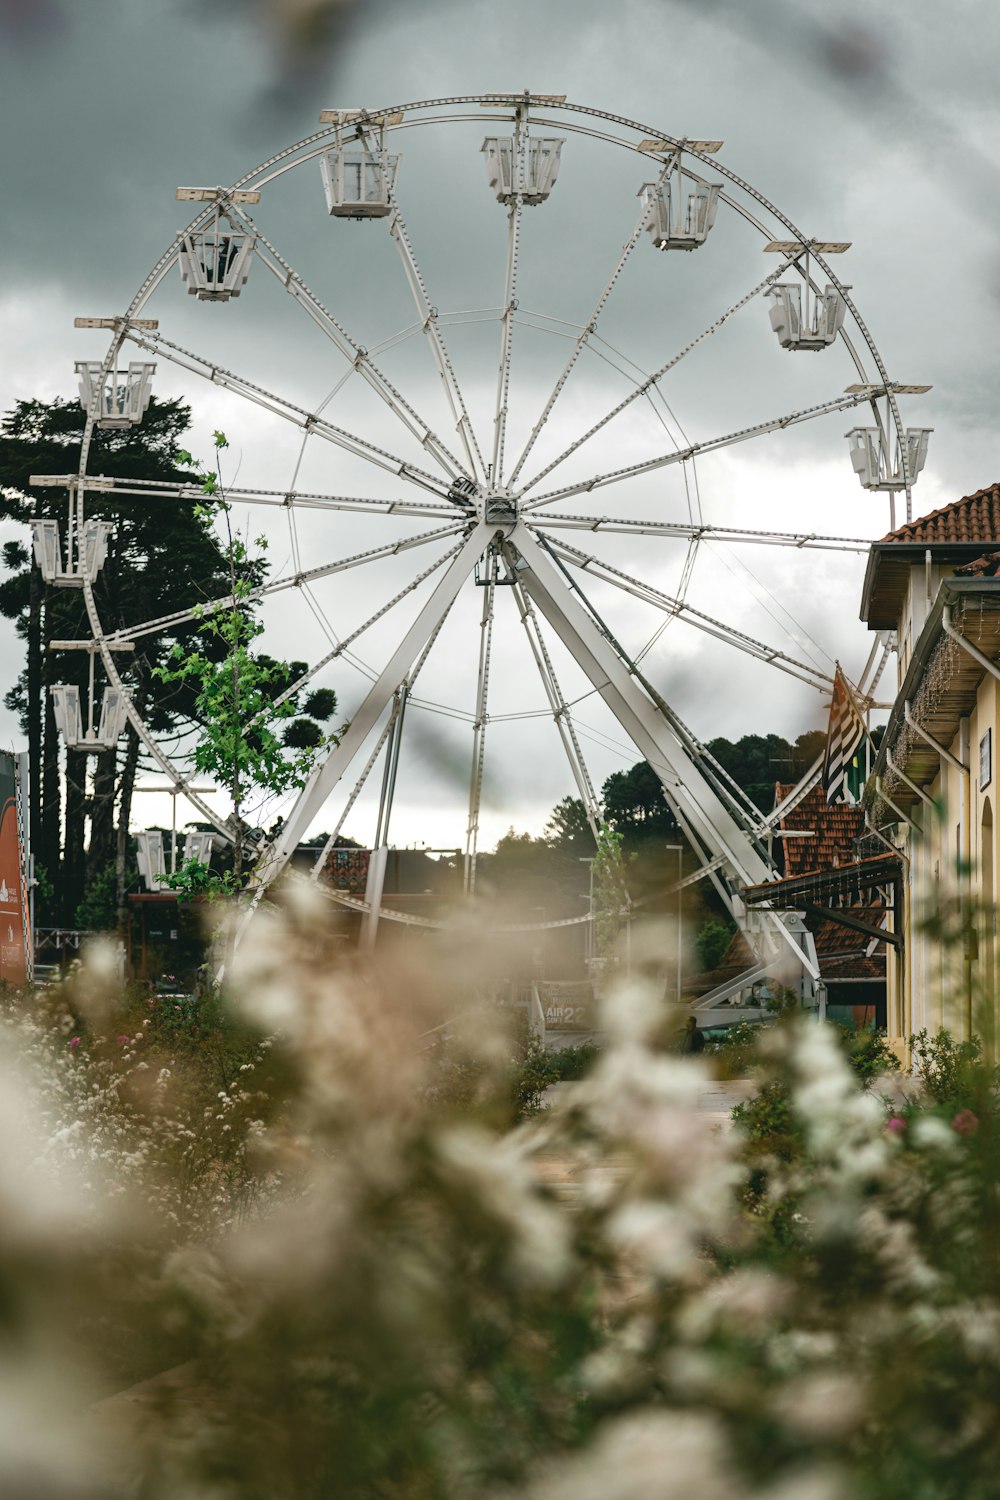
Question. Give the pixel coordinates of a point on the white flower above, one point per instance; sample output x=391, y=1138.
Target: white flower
x=932, y=1134
x=497, y=1173
x=650, y=1455
x=822, y=1405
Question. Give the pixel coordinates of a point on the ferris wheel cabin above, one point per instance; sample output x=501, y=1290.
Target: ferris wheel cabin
x=803, y=320
x=358, y=184
x=870, y=457
x=118, y=398
x=92, y=552
x=541, y=167
x=680, y=216
x=66, y=708
x=215, y=263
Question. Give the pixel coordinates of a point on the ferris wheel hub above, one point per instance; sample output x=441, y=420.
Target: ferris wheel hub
x=499, y=508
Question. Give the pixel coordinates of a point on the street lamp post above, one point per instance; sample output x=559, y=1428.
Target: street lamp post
x=678, y=849
x=589, y=956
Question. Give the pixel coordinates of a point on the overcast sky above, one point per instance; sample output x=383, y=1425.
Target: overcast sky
x=875, y=124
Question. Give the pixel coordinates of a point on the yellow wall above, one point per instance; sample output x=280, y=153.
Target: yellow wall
x=948, y=972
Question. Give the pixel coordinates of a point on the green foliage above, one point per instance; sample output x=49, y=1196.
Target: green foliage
x=568, y=829
x=98, y=911
x=736, y=1054
x=756, y=761
x=568, y=1064
x=869, y=1054
x=611, y=895
x=634, y=803
x=769, y=1123
x=241, y=696
x=530, y=1078
x=952, y=1072
x=711, y=943
x=194, y=880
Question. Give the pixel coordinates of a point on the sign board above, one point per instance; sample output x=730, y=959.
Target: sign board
x=347, y=870
x=986, y=760
x=14, y=924
x=568, y=1004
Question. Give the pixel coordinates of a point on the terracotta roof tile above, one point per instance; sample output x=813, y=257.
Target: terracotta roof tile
x=841, y=951
x=975, y=518
x=987, y=566
x=834, y=827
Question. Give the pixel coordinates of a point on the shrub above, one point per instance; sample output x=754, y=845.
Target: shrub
x=952, y=1072
x=806, y=1305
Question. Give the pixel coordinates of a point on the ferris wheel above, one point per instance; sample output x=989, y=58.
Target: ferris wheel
x=492, y=438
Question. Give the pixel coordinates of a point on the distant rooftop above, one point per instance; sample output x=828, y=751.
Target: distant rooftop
x=832, y=827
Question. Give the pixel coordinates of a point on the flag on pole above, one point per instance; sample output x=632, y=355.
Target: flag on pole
x=845, y=765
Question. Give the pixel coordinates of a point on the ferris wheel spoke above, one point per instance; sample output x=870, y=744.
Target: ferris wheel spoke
x=276, y=586
x=710, y=445
x=430, y=323
x=356, y=354
x=687, y=612
x=328, y=771
x=585, y=335
x=480, y=722
x=267, y=400
x=291, y=499
x=645, y=386
x=560, y=710
x=343, y=646
x=705, y=532
x=509, y=304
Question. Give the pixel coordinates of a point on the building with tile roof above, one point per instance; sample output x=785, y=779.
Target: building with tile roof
x=932, y=792
x=843, y=899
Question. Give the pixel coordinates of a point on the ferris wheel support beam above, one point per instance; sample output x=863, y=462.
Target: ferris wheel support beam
x=355, y=793
x=326, y=773
x=480, y=723
x=696, y=804
x=560, y=710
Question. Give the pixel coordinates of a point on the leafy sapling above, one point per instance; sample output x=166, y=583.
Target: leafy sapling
x=256, y=739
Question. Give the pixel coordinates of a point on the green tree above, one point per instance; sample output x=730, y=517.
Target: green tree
x=634, y=803
x=254, y=738
x=712, y=942
x=612, y=901
x=163, y=557
x=568, y=829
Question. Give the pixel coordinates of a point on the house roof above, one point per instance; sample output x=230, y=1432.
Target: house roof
x=831, y=829
x=974, y=518
x=842, y=952
x=955, y=534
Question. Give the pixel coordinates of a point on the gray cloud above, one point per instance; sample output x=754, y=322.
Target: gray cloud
x=870, y=129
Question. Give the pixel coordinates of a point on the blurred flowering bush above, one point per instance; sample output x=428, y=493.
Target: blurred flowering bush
x=381, y=1289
